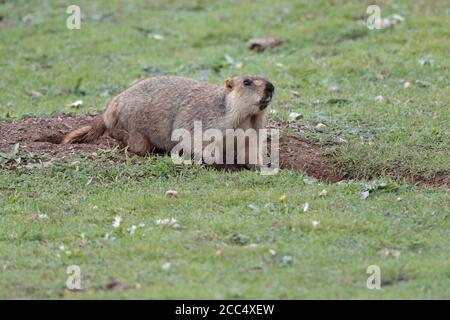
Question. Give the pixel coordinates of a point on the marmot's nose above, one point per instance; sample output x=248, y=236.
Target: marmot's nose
x=269, y=88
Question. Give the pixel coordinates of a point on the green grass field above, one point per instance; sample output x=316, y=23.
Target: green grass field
x=235, y=238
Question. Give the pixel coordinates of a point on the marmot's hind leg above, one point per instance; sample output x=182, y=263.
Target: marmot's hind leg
x=120, y=135
x=139, y=144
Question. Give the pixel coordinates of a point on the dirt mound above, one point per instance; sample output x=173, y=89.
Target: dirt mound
x=43, y=135
x=296, y=154
x=440, y=179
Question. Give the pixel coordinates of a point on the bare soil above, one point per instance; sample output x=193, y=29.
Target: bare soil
x=43, y=135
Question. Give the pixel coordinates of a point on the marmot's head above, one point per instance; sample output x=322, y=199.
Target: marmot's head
x=254, y=93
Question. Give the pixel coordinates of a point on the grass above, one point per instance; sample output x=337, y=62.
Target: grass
x=51, y=218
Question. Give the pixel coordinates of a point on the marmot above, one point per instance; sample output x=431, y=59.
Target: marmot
x=144, y=116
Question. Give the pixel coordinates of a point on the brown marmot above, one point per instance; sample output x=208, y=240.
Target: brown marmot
x=144, y=116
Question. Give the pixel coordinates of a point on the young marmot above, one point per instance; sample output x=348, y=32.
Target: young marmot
x=144, y=116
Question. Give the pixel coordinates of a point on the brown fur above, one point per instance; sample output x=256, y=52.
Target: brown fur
x=87, y=133
x=143, y=116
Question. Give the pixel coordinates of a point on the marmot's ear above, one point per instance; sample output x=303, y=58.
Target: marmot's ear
x=229, y=83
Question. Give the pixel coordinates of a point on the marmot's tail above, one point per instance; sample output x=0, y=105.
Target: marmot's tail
x=88, y=133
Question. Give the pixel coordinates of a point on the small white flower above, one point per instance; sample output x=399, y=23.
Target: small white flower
x=425, y=61
x=166, y=266
x=132, y=229
x=364, y=195
x=294, y=116
x=108, y=237
x=172, y=222
x=272, y=252
x=117, y=221
x=315, y=223
x=305, y=207
x=229, y=59
x=76, y=104
x=158, y=37
x=379, y=98
x=333, y=89
x=286, y=259
x=162, y=221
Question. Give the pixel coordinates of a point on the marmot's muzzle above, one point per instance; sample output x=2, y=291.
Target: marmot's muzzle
x=268, y=94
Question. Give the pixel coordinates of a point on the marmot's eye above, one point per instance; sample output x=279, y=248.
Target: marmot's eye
x=247, y=82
